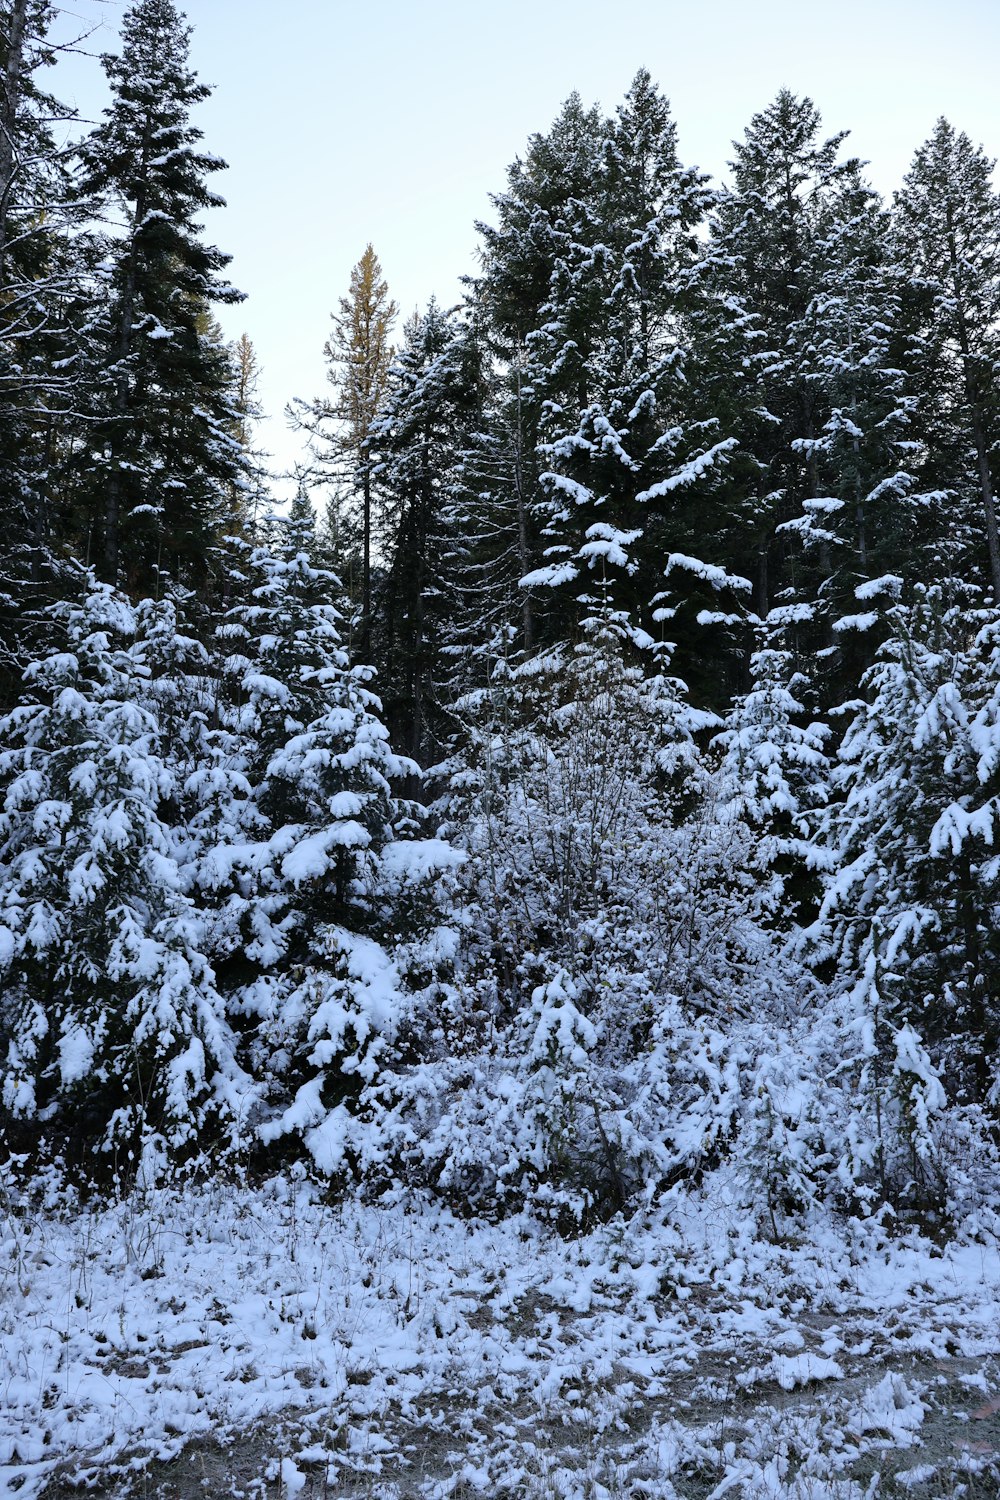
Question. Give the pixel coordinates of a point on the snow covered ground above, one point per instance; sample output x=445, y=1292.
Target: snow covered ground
x=267, y=1344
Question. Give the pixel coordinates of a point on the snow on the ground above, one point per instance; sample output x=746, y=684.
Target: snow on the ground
x=675, y=1354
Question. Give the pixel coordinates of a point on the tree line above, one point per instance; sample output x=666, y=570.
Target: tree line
x=666, y=845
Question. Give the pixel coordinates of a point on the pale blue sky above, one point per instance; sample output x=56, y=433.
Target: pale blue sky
x=392, y=123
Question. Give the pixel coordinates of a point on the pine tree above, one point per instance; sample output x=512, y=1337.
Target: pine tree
x=628, y=457
x=526, y=257
x=808, y=373
x=162, y=463
x=428, y=418
x=248, y=410
x=599, y=459
x=774, y=775
x=44, y=257
x=114, y=1034
x=308, y=878
x=769, y=253
x=948, y=219
x=359, y=354
x=867, y=522
x=905, y=916
x=489, y=520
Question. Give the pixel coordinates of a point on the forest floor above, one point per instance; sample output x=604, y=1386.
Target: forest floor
x=263, y=1343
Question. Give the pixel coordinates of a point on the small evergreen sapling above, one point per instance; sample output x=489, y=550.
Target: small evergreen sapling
x=314, y=880
x=774, y=774
x=907, y=913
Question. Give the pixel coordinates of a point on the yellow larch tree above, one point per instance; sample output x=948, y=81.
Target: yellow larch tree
x=359, y=353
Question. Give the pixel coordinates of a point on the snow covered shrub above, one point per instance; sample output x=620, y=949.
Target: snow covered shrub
x=611, y=951
x=909, y=917
x=534, y=1119
x=114, y=1034
x=580, y=770
x=784, y=1152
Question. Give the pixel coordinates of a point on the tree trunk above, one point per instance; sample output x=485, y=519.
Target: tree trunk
x=113, y=494
x=366, y=561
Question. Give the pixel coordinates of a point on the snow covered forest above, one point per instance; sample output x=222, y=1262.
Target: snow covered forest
x=569, y=823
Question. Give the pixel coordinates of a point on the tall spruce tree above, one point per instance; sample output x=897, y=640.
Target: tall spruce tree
x=162, y=463
x=596, y=432
x=545, y=220
x=809, y=291
x=948, y=220
x=769, y=253
x=626, y=455
x=428, y=420
x=248, y=413
x=43, y=261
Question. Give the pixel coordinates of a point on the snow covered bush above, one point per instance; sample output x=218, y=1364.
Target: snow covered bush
x=580, y=773
x=789, y=1121
x=613, y=950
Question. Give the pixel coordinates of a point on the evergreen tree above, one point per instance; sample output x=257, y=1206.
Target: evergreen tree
x=948, y=220
x=248, y=413
x=774, y=774
x=114, y=1033
x=763, y=234
x=545, y=211
x=867, y=523
x=599, y=460
x=428, y=418
x=162, y=464
x=488, y=516
x=808, y=329
x=43, y=266
x=309, y=881
x=628, y=458
x=906, y=915
x=359, y=355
